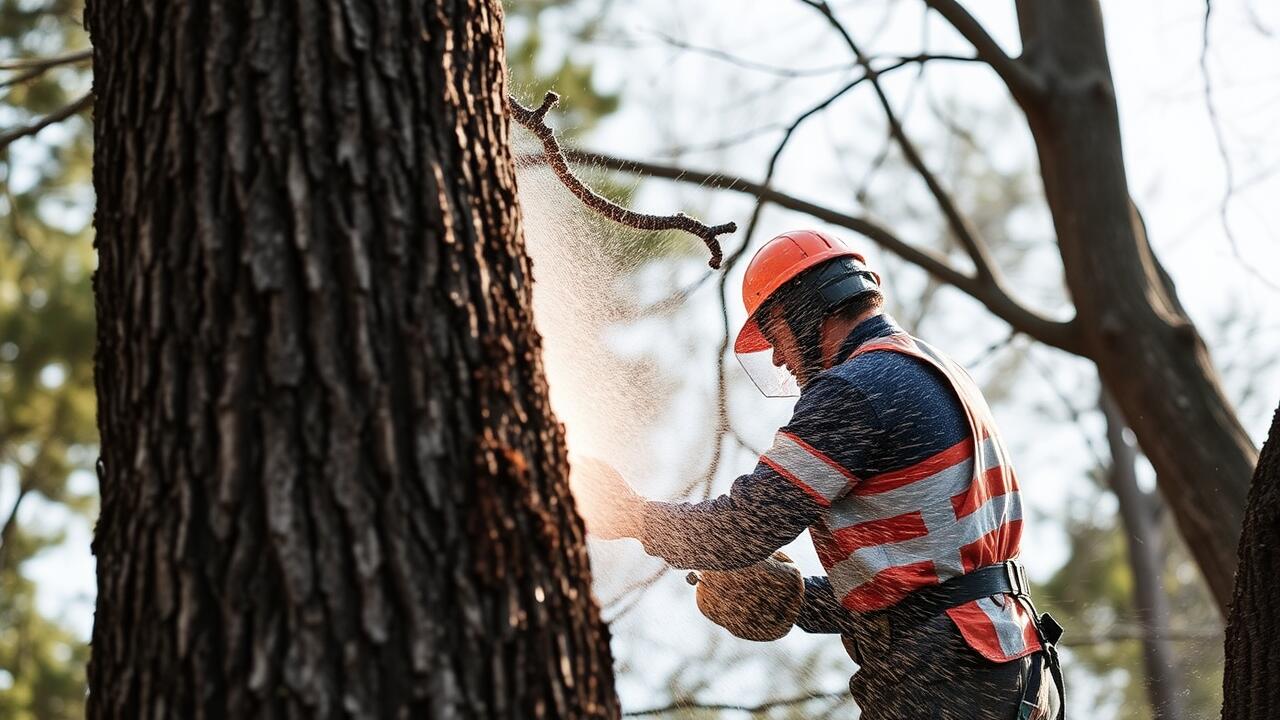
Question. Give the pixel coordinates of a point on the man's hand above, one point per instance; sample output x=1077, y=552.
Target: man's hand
x=759, y=602
x=610, y=507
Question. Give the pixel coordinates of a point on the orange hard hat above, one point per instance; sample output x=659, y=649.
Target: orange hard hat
x=781, y=260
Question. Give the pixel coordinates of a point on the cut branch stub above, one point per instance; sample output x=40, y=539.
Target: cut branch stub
x=534, y=120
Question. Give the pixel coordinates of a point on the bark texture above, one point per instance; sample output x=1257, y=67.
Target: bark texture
x=1251, y=684
x=1128, y=318
x=331, y=482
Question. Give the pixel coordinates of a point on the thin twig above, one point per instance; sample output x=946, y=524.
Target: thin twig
x=1059, y=334
x=723, y=424
x=897, y=61
x=44, y=63
x=535, y=121
x=52, y=118
x=1220, y=138
x=1073, y=413
x=1124, y=634
x=991, y=350
x=1020, y=80
x=762, y=707
x=963, y=229
x=627, y=599
x=746, y=64
x=10, y=523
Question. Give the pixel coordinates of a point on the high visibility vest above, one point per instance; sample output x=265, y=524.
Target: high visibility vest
x=882, y=537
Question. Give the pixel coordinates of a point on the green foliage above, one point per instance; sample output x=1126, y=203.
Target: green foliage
x=47, y=403
x=47, y=398
x=1093, y=594
x=41, y=663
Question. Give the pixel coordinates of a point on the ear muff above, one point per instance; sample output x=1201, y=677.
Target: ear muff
x=812, y=297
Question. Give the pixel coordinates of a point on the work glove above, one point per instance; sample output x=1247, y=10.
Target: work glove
x=611, y=509
x=759, y=602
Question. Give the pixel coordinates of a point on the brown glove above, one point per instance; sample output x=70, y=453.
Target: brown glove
x=759, y=602
x=611, y=509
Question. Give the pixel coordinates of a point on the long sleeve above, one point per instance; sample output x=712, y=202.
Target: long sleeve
x=769, y=507
x=760, y=514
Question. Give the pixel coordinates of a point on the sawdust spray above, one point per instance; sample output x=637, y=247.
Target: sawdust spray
x=591, y=276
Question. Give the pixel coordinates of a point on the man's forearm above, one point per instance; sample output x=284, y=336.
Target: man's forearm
x=714, y=536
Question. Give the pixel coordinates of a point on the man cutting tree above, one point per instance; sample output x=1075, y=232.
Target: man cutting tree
x=892, y=461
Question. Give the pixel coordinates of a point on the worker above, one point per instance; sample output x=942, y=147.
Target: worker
x=893, y=463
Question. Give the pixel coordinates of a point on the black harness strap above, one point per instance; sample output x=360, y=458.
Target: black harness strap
x=1008, y=577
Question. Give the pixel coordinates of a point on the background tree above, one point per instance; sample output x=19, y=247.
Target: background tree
x=1250, y=687
x=47, y=434
x=1127, y=316
x=331, y=482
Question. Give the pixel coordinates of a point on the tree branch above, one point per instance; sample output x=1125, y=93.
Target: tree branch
x=45, y=63
x=1062, y=335
x=535, y=122
x=10, y=523
x=52, y=118
x=964, y=231
x=746, y=64
x=762, y=707
x=1126, y=634
x=1022, y=83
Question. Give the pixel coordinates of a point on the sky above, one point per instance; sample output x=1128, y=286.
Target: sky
x=677, y=97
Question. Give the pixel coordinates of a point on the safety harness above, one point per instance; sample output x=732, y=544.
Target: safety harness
x=1003, y=578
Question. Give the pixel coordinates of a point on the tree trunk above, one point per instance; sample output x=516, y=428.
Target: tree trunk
x=1251, y=684
x=1142, y=540
x=1149, y=355
x=331, y=482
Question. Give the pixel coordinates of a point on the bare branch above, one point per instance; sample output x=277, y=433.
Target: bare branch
x=47, y=62
x=1022, y=83
x=746, y=64
x=1125, y=634
x=1228, y=169
x=964, y=231
x=762, y=707
x=898, y=61
x=535, y=122
x=51, y=119
x=630, y=596
x=1059, y=334
x=10, y=523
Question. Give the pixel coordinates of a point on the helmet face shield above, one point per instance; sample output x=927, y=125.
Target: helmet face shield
x=772, y=380
x=758, y=343
x=791, y=285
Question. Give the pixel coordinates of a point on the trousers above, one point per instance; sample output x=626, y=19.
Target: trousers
x=929, y=672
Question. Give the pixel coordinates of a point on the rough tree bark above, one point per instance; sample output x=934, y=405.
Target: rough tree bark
x=1251, y=684
x=1143, y=542
x=1128, y=319
x=331, y=482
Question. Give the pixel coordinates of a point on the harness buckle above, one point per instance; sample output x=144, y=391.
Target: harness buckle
x=1017, y=576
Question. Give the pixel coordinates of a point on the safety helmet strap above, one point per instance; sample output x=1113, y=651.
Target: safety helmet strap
x=813, y=296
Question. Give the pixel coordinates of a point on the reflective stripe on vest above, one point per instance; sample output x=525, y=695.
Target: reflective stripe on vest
x=882, y=537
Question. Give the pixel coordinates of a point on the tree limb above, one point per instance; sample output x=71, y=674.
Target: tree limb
x=767, y=705
x=747, y=64
x=52, y=118
x=1022, y=83
x=44, y=63
x=964, y=231
x=1059, y=334
x=534, y=120
x=10, y=523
